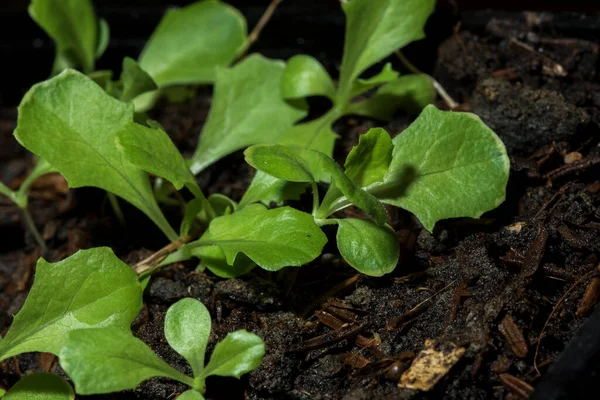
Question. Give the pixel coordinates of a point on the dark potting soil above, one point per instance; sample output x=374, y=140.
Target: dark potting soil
x=510, y=289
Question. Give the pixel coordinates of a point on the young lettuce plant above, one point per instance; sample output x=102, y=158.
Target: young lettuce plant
x=444, y=165
x=107, y=360
x=73, y=124
x=374, y=30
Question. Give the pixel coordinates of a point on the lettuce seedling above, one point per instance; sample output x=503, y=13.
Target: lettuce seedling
x=73, y=124
x=108, y=360
x=42, y=386
x=374, y=30
x=444, y=165
x=89, y=289
x=79, y=36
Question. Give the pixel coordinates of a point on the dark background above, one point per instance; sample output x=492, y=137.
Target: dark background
x=314, y=27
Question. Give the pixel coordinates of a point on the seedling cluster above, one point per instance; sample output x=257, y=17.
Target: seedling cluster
x=87, y=127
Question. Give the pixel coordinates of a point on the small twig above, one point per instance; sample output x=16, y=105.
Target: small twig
x=154, y=259
x=262, y=22
x=453, y=105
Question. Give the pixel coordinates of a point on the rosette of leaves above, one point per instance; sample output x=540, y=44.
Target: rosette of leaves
x=374, y=30
x=108, y=360
x=444, y=165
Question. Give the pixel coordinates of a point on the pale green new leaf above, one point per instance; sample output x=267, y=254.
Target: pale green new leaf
x=410, y=93
x=461, y=167
x=273, y=239
x=247, y=109
x=40, y=386
x=187, y=328
x=134, y=80
x=90, y=289
x=213, y=258
x=374, y=30
x=305, y=76
x=192, y=209
x=240, y=352
x=190, y=395
x=103, y=37
x=369, y=248
x=386, y=75
x=73, y=26
x=266, y=189
x=150, y=149
x=110, y=360
x=317, y=135
x=296, y=164
x=72, y=123
x=369, y=161
x=190, y=43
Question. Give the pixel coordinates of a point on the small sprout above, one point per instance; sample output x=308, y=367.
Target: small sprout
x=107, y=359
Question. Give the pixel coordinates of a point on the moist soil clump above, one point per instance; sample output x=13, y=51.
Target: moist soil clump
x=495, y=299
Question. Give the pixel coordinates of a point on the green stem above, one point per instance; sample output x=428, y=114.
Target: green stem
x=315, y=192
x=11, y=194
x=114, y=203
x=33, y=229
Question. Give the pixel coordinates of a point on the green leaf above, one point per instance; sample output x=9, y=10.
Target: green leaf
x=190, y=43
x=273, y=239
x=296, y=164
x=192, y=209
x=72, y=123
x=460, y=164
x=369, y=248
x=386, y=75
x=305, y=76
x=266, y=189
x=240, y=352
x=40, y=386
x=409, y=92
x=190, y=395
x=247, y=109
x=150, y=149
x=103, y=37
x=214, y=259
x=187, y=328
x=2, y=392
x=134, y=80
x=90, y=289
x=73, y=26
x=316, y=135
x=110, y=360
x=374, y=30
x=369, y=161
